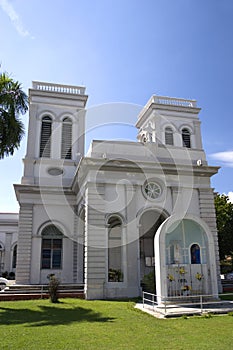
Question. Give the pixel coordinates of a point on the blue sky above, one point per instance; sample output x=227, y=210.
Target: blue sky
x=125, y=51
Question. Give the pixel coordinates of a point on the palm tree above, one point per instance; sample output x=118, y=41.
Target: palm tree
x=13, y=102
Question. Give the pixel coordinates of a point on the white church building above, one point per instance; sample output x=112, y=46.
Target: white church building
x=125, y=209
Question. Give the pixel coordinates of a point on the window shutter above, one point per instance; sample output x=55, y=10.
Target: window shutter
x=186, y=138
x=45, y=138
x=66, y=142
x=169, y=136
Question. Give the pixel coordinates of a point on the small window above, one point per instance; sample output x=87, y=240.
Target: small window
x=51, y=249
x=66, y=142
x=169, y=136
x=45, y=137
x=195, y=254
x=186, y=138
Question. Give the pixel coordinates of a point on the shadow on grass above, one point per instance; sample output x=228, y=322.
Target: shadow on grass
x=49, y=316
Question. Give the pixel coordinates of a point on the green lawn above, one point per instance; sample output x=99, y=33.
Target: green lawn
x=78, y=324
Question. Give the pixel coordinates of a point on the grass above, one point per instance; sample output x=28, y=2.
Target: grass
x=79, y=324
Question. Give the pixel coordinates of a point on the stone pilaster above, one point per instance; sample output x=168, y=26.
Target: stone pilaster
x=207, y=213
x=95, y=243
x=78, y=248
x=23, y=267
x=75, y=248
x=131, y=244
x=75, y=261
x=8, y=254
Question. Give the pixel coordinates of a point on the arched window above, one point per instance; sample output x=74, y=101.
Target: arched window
x=66, y=141
x=51, y=248
x=14, y=257
x=169, y=136
x=195, y=254
x=45, y=137
x=186, y=138
x=115, y=273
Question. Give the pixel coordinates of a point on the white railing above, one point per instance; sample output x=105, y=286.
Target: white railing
x=174, y=101
x=65, y=89
x=197, y=303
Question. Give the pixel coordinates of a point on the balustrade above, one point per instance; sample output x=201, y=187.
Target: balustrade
x=174, y=101
x=65, y=89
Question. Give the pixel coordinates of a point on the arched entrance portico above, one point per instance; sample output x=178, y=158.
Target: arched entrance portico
x=185, y=258
x=149, y=222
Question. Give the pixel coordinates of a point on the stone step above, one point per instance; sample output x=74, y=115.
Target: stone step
x=39, y=287
x=23, y=292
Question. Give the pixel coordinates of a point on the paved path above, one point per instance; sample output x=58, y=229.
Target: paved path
x=179, y=310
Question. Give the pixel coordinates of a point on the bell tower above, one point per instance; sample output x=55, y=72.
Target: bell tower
x=56, y=133
x=170, y=121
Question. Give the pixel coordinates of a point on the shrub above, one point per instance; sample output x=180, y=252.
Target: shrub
x=148, y=283
x=11, y=275
x=5, y=274
x=115, y=275
x=53, y=288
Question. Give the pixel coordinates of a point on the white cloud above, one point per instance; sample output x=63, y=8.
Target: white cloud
x=224, y=157
x=230, y=195
x=14, y=17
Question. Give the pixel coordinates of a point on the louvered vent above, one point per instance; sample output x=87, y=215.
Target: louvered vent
x=45, y=138
x=186, y=138
x=169, y=136
x=66, y=142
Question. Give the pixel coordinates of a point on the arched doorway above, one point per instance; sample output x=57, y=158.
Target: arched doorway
x=149, y=223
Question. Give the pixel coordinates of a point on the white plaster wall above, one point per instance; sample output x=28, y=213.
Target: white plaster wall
x=8, y=238
x=62, y=216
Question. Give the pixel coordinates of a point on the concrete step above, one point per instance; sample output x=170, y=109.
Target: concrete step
x=26, y=292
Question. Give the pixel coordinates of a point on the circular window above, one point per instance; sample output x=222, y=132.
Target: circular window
x=55, y=171
x=152, y=190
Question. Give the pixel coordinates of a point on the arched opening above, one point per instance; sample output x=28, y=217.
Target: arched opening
x=45, y=137
x=115, y=261
x=149, y=223
x=195, y=254
x=187, y=259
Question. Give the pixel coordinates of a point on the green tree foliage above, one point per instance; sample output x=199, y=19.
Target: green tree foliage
x=224, y=215
x=13, y=103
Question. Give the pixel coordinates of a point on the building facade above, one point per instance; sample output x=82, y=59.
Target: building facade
x=8, y=243
x=123, y=210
